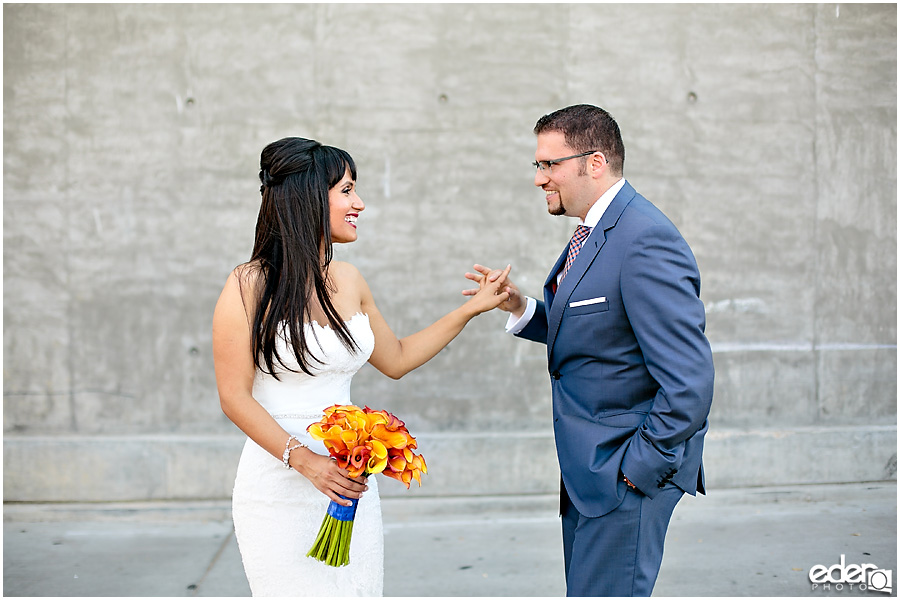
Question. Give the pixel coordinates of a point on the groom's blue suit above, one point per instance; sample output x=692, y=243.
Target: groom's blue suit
x=632, y=379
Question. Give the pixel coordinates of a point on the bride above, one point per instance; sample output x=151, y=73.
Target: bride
x=290, y=329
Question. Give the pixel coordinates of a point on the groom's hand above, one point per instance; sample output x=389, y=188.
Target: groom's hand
x=490, y=295
x=483, y=276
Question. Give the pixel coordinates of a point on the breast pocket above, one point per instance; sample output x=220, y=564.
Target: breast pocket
x=588, y=306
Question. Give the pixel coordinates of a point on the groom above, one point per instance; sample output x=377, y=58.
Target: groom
x=630, y=367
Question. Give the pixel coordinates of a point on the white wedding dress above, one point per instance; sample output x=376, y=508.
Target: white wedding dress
x=277, y=512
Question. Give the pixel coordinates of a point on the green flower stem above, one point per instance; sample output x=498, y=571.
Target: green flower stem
x=317, y=544
x=347, y=547
x=332, y=544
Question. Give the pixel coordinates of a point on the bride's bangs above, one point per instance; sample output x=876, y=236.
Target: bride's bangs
x=337, y=162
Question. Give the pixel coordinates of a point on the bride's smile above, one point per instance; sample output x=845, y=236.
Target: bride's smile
x=344, y=207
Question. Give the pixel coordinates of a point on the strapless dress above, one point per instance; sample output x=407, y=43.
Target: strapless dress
x=277, y=512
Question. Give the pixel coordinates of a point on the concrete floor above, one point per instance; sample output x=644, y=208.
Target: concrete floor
x=739, y=542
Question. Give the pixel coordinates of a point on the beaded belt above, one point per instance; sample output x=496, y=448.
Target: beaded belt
x=315, y=416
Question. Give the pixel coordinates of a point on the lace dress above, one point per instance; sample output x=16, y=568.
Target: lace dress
x=277, y=512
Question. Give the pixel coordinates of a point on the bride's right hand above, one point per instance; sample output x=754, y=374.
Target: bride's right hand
x=327, y=476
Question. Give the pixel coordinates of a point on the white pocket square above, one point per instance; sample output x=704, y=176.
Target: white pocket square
x=586, y=302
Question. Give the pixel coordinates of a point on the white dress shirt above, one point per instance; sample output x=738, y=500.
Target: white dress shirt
x=514, y=325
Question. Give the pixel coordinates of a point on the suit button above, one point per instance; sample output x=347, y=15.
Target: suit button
x=555, y=375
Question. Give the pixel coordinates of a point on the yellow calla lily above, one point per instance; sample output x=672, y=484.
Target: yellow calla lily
x=379, y=457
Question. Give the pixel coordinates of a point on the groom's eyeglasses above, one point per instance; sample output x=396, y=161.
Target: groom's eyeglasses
x=546, y=166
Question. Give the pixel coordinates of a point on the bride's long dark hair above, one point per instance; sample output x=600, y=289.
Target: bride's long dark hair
x=292, y=229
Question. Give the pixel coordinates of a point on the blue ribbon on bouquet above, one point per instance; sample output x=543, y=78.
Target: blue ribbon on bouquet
x=341, y=512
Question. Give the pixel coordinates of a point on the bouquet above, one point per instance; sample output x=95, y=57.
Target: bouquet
x=365, y=442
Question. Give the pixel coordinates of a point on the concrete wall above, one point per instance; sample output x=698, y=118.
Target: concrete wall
x=131, y=140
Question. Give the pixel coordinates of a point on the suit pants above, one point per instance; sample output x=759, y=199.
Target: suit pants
x=618, y=554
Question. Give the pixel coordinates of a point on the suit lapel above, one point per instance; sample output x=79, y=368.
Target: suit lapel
x=585, y=257
x=556, y=303
x=550, y=284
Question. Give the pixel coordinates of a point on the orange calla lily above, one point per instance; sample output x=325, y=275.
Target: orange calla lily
x=393, y=439
x=369, y=441
x=342, y=458
x=350, y=437
x=359, y=458
x=397, y=463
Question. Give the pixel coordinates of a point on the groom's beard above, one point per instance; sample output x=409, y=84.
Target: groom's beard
x=559, y=210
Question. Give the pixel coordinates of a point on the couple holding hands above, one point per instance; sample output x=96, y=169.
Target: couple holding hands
x=630, y=367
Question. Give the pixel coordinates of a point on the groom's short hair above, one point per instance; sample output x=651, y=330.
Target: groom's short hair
x=586, y=128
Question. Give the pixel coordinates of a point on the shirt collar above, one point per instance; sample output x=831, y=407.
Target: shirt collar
x=600, y=206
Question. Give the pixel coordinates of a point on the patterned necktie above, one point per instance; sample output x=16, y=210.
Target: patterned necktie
x=581, y=234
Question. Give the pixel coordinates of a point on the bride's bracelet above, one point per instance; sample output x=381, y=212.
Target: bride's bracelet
x=286, y=457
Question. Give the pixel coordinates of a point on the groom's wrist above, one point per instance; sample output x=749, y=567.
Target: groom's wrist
x=515, y=324
x=518, y=312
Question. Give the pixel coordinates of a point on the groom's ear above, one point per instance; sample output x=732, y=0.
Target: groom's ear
x=598, y=165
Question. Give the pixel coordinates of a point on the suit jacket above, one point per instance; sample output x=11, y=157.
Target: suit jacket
x=631, y=368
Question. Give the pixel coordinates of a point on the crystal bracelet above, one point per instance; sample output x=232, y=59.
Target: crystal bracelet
x=285, y=458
